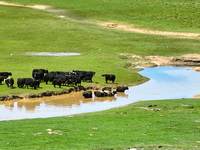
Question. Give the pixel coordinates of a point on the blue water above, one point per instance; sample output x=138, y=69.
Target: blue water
x=165, y=83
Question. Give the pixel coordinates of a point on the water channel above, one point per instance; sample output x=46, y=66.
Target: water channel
x=165, y=83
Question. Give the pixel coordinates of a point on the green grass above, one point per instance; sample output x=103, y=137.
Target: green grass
x=172, y=124
x=28, y=30
x=179, y=15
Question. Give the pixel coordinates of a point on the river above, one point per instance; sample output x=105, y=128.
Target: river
x=165, y=83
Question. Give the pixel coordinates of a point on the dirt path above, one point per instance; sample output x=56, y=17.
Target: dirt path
x=28, y=6
x=131, y=28
x=122, y=27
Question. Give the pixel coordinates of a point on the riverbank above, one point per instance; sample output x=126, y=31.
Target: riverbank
x=51, y=93
x=44, y=94
x=190, y=60
x=165, y=83
x=187, y=60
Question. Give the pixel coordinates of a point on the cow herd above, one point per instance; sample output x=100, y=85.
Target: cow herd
x=59, y=78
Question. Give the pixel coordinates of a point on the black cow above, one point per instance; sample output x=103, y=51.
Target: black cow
x=38, y=74
x=60, y=77
x=57, y=82
x=5, y=74
x=9, y=82
x=109, y=93
x=99, y=93
x=85, y=75
x=2, y=78
x=107, y=89
x=52, y=76
x=70, y=77
x=28, y=81
x=21, y=82
x=87, y=94
x=31, y=82
x=110, y=77
x=80, y=73
x=36, y=82
x=77, y=80
x=46, y=78
x=121, y=88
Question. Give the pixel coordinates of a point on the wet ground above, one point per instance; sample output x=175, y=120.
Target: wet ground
x=165, y=83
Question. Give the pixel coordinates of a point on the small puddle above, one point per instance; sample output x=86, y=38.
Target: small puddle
x=165, y=83
x=52, y=54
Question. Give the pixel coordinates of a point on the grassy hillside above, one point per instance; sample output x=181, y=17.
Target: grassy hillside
x=179, y=15
x=167, y=124
x=30, y=30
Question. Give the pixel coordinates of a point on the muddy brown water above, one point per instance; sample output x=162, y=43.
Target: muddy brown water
x=165, y=83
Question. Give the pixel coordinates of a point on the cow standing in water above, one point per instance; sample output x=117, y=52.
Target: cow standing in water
x=110, y=77
x=121, y=88
x=87, y=94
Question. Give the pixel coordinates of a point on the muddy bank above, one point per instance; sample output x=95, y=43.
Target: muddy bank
x=189, y=60
x=44, y=94
x=51, y=93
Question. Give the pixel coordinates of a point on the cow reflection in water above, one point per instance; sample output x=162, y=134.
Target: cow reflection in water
x=29, y=105
x=7, y=103
x=105, y=99
x=122, y=95
x=67, y=100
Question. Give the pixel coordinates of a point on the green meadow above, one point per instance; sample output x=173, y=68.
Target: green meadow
x=170, y=125
x=179, y=15
x=26, y=30
x=167, y=124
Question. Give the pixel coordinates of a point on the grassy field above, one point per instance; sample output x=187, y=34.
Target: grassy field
x=172, y=124
x=166, y=124
x=179, y=15
x=31, y=30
